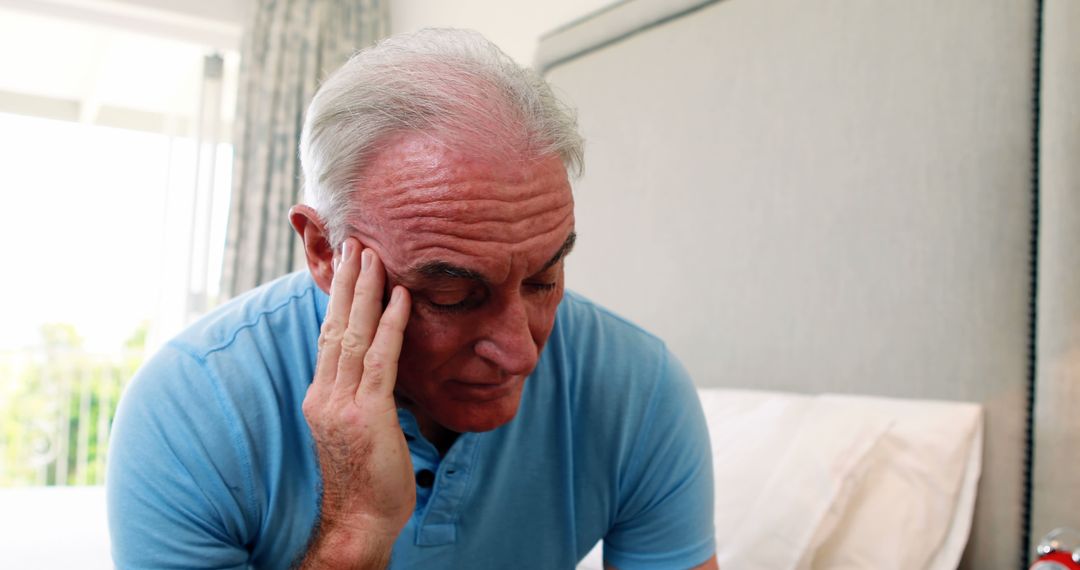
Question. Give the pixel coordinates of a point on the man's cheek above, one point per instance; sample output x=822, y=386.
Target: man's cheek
x=540, y=326
x=423, y=325
x=428, y=338
x=544, y=314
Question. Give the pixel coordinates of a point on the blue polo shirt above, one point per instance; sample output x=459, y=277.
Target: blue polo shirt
x=212, y=465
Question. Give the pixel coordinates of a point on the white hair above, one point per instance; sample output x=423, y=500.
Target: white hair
x=454, y=85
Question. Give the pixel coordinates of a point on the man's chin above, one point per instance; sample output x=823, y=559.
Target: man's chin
x=477, y=415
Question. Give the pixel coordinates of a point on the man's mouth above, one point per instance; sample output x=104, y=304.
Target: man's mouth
x=483, y=391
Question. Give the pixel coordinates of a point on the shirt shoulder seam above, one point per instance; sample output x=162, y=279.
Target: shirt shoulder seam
x=250, y=322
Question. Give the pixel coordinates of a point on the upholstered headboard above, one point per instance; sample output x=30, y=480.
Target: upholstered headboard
x=849, y=197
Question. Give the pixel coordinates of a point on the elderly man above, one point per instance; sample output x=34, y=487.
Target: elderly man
x=426, y=395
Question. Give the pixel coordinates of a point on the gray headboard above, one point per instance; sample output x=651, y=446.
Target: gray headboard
x=825, y=196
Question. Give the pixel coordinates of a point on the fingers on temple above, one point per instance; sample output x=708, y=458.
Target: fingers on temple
x=363, y=319
x=381, y=360
x=337, y=314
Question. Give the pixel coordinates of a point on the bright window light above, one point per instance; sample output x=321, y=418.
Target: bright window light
x=117, y=170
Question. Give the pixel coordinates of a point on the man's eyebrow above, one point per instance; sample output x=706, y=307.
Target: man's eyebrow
x=563, y=251
x=442, y=269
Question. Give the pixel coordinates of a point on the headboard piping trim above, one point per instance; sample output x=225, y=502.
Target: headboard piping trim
x=1033, y=298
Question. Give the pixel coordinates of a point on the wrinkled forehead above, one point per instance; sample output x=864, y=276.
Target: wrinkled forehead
x=414, y=169
x=434, y=198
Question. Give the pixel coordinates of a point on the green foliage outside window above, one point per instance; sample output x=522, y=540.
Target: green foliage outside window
x=56, y=408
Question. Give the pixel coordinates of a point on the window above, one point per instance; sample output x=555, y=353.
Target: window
x=115, y=194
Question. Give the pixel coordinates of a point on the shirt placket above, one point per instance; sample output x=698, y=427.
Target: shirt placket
x=438, y=506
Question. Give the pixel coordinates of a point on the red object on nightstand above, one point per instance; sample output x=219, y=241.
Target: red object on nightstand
x=1059, y=550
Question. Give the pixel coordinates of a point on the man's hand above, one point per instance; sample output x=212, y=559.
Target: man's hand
x=368, y=493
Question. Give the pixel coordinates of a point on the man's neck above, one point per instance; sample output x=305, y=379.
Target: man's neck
x=439, y=436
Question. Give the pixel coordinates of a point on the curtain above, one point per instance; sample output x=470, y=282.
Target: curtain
x=289, y=47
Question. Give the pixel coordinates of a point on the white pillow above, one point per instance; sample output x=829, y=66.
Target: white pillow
x=907, y=511
x=785, y=468
x=807, y=482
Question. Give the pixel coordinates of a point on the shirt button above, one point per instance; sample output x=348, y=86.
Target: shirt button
x=425, y=478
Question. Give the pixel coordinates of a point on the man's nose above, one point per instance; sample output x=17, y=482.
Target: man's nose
x=508, y=342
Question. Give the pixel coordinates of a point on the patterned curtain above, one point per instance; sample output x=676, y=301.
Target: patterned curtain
x=289, y=47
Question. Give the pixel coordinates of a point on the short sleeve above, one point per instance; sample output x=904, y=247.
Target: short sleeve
x=176, y=474
x=665, y=514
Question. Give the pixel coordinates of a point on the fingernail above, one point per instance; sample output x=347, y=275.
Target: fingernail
x=365, y=259
x=395, y=296
x=335, y=264
x=346, y=249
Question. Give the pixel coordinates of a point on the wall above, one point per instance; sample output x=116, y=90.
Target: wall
x=516, y=26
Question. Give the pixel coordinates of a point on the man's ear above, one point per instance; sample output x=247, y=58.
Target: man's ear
x=320, y=254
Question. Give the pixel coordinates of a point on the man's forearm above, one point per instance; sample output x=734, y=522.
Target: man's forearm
x=342, y=548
